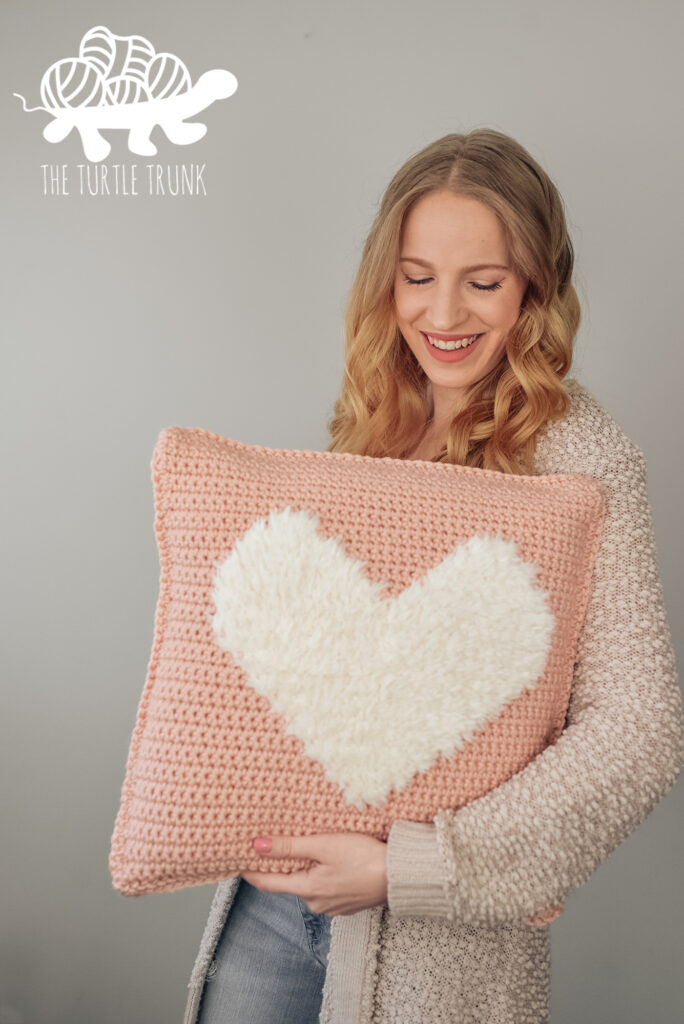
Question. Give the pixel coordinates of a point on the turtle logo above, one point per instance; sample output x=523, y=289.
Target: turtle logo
x=121, y=82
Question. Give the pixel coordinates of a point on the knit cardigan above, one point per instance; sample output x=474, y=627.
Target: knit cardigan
x=452, y=944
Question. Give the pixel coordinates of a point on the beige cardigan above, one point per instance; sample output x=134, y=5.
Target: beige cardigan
x=451, y=946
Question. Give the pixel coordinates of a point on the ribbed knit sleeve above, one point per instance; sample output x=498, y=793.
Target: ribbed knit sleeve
x=524, y=846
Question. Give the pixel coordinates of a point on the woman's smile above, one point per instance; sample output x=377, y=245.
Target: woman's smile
x=451, y=351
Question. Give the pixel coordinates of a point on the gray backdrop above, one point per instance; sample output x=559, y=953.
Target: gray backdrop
x=126, y=314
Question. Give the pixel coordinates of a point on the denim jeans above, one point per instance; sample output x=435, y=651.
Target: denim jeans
x=270, y=962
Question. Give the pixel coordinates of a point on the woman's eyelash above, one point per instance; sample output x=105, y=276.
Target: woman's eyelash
x=479, y=287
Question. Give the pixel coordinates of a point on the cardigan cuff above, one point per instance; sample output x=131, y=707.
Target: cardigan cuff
x=416, y=878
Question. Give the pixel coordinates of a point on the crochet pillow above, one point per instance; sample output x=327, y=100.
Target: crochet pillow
x=340, y=641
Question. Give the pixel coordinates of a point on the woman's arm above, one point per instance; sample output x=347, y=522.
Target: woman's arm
x=523, y=847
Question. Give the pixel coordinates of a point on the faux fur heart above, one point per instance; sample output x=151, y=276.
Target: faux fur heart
x=377, y=688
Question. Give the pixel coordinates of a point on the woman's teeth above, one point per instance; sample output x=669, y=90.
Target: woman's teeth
x=448, y=346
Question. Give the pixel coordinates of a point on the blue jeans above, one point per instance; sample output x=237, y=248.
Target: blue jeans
x=270, y=962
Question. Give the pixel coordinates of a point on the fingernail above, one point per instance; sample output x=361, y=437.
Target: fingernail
x=262, y=845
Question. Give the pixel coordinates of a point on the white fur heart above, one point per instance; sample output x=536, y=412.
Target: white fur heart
x=376, y=688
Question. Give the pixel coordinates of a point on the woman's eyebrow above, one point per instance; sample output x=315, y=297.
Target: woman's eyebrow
x=466, y=270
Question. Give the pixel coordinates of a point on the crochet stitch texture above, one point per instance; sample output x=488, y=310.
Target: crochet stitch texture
x=355, y=633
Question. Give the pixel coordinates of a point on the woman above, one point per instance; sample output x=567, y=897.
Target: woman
x=459, y=335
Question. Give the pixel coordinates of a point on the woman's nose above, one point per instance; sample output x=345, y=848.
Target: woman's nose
x=448, y=309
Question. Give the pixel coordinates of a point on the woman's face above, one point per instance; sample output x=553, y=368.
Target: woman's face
x=452, y=281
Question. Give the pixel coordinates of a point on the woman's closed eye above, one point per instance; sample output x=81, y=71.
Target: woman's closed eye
x=478, y=287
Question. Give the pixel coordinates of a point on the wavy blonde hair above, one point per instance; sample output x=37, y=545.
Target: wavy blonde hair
x=384, y=408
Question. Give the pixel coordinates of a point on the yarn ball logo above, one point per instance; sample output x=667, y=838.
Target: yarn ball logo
x=121, y=82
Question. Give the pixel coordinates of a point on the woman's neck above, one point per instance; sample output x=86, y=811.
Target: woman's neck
x=430, y=444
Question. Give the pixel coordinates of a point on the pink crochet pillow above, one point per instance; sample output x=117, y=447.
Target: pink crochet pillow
x=341, y=641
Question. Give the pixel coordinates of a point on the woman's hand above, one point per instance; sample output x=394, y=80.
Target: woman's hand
x=350, y=872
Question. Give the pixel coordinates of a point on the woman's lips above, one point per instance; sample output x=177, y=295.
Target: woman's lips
x=450, y=337
x=456, y=355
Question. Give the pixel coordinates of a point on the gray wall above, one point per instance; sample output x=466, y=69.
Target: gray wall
x=122, y=315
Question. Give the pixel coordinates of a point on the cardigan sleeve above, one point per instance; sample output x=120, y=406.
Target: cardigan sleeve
x=524, y=846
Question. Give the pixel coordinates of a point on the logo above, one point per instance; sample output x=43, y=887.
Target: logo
x=121, y=82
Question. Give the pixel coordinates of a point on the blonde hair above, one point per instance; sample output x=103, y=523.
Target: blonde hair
x=384, y=407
